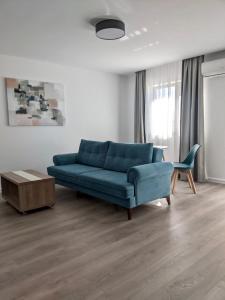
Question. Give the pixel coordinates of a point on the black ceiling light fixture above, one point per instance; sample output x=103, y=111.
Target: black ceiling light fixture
x=110, y=29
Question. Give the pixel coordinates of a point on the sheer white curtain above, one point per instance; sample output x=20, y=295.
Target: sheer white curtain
x=162, y=112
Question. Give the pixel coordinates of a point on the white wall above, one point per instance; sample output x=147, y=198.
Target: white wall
x=214, y=99
x=91, y=104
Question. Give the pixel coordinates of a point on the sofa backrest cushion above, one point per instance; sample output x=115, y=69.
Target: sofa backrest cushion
x=120, y=157
x=92, y=153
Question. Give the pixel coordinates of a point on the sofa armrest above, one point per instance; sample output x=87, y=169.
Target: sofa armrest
x=151, y=181
x=147, y=171
x=64, y=159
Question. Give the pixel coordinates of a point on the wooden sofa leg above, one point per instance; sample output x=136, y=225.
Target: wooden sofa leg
x=129, y=213
x=168, y=200
x=79, y=194
x=116, y=207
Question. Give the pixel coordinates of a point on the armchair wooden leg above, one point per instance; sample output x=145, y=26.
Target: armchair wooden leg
x=189, y=180
x=192, y=181
x=129, y=213
x=168, y=200
x=174, y=180
x=172, y=177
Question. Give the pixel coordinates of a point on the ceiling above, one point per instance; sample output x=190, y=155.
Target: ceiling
x=158, y=31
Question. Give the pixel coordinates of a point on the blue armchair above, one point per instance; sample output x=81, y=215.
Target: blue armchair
x=185, y=167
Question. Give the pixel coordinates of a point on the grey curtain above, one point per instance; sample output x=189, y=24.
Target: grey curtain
x=139, y=113
x=192, y=113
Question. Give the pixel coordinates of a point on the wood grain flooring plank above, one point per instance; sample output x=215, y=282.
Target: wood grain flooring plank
x=84, y=249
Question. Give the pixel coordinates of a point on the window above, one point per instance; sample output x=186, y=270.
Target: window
x=163, y=108
x=163, y=111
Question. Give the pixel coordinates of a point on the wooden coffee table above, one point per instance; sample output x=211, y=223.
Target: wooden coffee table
x=27, y=190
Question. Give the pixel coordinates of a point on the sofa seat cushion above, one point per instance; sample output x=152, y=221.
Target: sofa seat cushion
x=120, y=157
x=70, y=173
x=92, y=153
x=108, y=182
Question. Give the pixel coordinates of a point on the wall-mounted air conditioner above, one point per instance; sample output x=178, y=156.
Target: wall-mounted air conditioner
x=213, y=68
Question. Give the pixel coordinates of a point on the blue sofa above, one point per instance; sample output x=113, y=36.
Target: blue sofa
x=127, y=175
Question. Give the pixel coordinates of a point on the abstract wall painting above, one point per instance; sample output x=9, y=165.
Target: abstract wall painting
x=34, y=103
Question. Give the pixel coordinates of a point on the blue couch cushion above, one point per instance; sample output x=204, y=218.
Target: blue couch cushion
x=92, y=153
x=69, y=172
x=120, y=157
x=108, y=182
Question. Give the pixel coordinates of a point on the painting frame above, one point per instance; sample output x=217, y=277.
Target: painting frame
x=35, y=102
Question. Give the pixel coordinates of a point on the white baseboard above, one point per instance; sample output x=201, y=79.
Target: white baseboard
x=216, y=180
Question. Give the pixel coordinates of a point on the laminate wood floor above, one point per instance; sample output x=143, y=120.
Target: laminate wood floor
x=85, y=249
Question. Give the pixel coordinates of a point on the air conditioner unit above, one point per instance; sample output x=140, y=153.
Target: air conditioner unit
x=213, y=68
